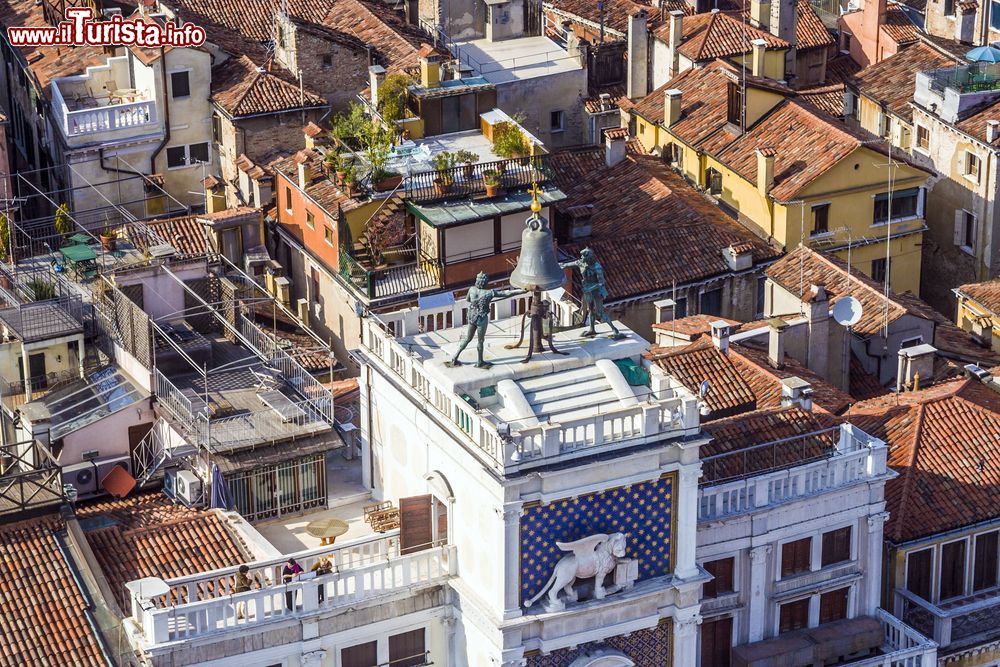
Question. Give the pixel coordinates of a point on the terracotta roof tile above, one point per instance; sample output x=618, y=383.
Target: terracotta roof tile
x=840, y=68
x=616, y=12
x=985, y=294
x=864, y=385
x=147, y=535
x=376, y=23
x=321, y=189
x=718, y=35
x=728, y=393
x=693, y=326
x=650, y=228
x=765, y=380
x=891, y=81
x=828, y=99
x=43, y=620
x=945, y=445
x=617, y=99
x=898, y=27
x=184, y=233
x=253, y=19
x=810, y=32
x=241, y=88
x=804, y=267
x=975, y=125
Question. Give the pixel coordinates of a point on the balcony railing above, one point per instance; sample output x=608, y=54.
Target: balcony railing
x=467, y=180
x=414, y=274
x=667, y=414
x=963, y=622
x=902, y=646
x=363, y=570
x=16, y=392
x=851, y=456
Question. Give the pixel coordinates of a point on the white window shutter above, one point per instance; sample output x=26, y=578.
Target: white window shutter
x=959, y=224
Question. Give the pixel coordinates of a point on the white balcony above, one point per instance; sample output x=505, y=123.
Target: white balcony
x=785, y=471
x=101, y=105
x=954, y=624
x=207, y=605
x=902, y=646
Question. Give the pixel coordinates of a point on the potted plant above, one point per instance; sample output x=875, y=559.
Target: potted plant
x=63, y=222
x=491, y=179
x=108, y=239
x=509, y=141
x=385, y=181
x=350, y=179
x=330, y=162
x=4, y=247
x=444, y=162
x=392, y=95
x=469, y=159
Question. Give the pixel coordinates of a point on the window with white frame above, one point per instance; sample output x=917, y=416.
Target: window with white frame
x=902, y=204
x=923, y=138
x=971, y=165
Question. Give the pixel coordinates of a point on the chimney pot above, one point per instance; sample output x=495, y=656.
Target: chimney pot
x=614, y=146
x=796, y=390
x=913, y=362
x=671, y=106
x=664, y=310
x=992, y=130
x=676, y=28
x=759, y=47
x=765, y=170
x=720, y=334
x=776, y=342
x=376, y=75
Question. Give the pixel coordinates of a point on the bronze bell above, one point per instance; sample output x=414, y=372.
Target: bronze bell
x=537, y=267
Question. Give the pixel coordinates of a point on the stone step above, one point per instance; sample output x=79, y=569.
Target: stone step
x=560, y=391
x=582, y=403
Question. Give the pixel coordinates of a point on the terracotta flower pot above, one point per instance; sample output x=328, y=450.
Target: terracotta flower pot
x=389, y=183
x=492, y=190
x=107, y=242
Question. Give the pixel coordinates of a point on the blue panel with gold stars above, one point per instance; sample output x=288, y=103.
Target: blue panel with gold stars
x=643, y=511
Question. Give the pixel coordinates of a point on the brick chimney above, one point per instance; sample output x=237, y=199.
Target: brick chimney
x=916, y=367
x=784, y=17
x=765, y=170
x=376, y=75
x=671, y=106
x=638, y=44
x=739, y=257
x=776, y=342
x=305, y=173
x=759, y=47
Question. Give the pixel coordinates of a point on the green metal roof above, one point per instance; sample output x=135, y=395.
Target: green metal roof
x=461, y=211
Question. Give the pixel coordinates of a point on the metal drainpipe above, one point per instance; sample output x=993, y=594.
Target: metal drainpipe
x=166, y=113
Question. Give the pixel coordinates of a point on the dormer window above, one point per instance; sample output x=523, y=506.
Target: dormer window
x=734, y=104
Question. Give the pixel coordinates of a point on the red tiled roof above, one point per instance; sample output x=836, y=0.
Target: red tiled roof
x=804, y=267
x=945, y=444
x=810, y=32
x=321, y=189
x=650, y=228
x=241, y=88
x=864, y=385
x=693, y=325
x=184, y=233
x=253, y=20
x=616, y=12
x=728, y=392
x=840, y=68
x=378, y=24
x=898, y=27
x=985, y=294
x=828, y=99
x=718, y=35
x=891, y=80
x=43, y=620
x=765, y=380
x=616, y=99
x=147, y=535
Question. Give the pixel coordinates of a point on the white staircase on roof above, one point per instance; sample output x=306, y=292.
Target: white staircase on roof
x=569, y=394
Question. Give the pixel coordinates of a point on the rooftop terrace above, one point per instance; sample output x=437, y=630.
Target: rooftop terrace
x=555, y=406
x=513, y=60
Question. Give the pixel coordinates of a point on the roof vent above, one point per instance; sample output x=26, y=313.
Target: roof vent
x=979, y=373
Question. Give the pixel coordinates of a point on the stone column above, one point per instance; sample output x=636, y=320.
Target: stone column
x=686, y=623
x=869, y=597
x=512, y=560
x=686, y=506
x=757, y=600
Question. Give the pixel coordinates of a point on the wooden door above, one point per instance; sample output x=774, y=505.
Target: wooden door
x=415, y=524
x=716, y=642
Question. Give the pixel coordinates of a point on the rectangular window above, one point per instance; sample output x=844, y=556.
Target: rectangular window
x=972, y=164
x=821, y=218
x=217, y=128
x=310, y=220
x=680, y=308
x=711, y=302
x=407, y=649
x=904, y=204
x=722, y=570
x=734, y=104
x=918, y=572
x=716, y=642
x=713, y=181
x=793, y=615
x=180, y=84
x=314, y=279
x=176, y=157
x=923, y=138
x=968, y=230
x=833, y=605
x=836, y=546
x=362, y=655
x=949, y=7
x=761, y=288
x=288, y=199
x=995, y=15
x=952, y=570
x=328, y=234
x=984, y=572
x=796, y=557
x=557, y=120
x=878, y=270
x=327, y=60
x=198, y=153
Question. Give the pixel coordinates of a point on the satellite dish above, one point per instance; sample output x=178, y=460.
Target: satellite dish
x=847, y=311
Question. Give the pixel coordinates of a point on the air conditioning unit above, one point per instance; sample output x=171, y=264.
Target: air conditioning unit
x=82, y=477
x=188, y=487
x=104, y=466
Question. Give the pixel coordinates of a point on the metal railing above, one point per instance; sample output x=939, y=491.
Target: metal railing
x=416, y=274
x=765, y=457
x=16, y=392
x=258, y=427
x=29, y=477
x=468, y=180
x=972, y=78
x=168, y=395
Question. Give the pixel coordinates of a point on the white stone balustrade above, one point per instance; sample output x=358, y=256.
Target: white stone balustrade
x=902, y=646
x=207, y=603
x=856, y=457
x=667, y=414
